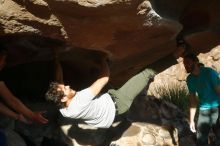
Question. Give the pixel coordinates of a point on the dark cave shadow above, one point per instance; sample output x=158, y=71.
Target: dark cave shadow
x=115, y=133
x=76, y=132
x=104, y=137
x=100, y=137
x=97, y=136
x=1, y=29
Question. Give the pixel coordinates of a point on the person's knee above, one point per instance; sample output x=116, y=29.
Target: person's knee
x=149, y=73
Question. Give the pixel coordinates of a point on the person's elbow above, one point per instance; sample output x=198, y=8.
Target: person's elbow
x=105, y=79
x=14, y=102
x=193, y=100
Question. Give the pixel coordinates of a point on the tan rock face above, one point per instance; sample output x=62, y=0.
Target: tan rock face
x=176, y=75
x=128, y=31
x=134, y=33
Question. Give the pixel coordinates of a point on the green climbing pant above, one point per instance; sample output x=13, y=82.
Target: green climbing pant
x=125, y=95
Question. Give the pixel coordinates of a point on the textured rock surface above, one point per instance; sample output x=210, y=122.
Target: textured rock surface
x=176, y=74
x=134, y=33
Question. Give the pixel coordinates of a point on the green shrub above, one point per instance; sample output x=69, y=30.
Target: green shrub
x=174, y=93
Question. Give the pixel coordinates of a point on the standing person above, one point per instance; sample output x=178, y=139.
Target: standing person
x=21, y=111
x=205, y=82
x=98, y=110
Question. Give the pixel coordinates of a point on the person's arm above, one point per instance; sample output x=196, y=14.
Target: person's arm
x=8, y=112
x=217, y=89
x=215, y=80
x=192, y=110
x=179, y=52
x=18, y=106
x=58, y=68
x=58, y=71
x=103, y=79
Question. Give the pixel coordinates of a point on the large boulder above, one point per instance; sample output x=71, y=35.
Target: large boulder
x=133, y=33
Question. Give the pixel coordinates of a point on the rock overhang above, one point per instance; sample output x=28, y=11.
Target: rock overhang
x=134, y=34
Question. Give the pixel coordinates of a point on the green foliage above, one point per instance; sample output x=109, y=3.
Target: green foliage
x=174, y=93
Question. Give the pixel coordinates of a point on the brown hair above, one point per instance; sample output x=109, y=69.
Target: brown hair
x=54, y=95
x=192, y=57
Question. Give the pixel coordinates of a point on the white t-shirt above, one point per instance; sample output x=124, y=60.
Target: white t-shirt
x=97, y=111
